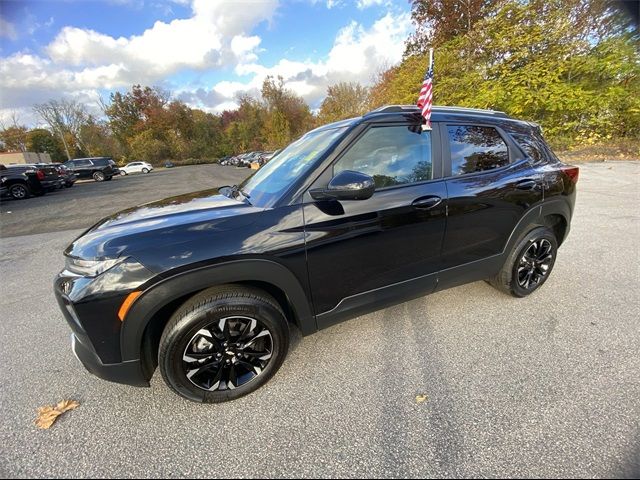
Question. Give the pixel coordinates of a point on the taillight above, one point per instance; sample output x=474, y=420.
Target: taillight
x=572, y=172
x=40, y=174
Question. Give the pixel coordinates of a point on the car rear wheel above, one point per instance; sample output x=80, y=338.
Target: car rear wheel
x=145, y=170
x=529, y=264
x=223, y=343
x=19, y=191
x=123, y=173
x=98, y=176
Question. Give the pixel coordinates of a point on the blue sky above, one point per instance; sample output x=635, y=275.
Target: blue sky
x=206, y=52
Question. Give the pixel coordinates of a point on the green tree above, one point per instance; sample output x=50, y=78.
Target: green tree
x=40, y=140
x=344, y=100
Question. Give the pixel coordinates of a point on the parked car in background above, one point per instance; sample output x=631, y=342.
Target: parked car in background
x=98, y=168
x=168, y=164
x=67, y=175
x=136, y=167
x=23, y=181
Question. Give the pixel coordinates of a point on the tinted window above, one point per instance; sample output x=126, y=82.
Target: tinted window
x=102, y=162
x=475, y=149
x=391, y=155
x=82, y=163
x=529, y=145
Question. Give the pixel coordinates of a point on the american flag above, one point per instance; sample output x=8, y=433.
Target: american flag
x=425, y=100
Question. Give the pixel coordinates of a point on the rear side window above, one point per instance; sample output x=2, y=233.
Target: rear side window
x=476, y=149
x=396, y=155
x=529, y=145
x=82, y=163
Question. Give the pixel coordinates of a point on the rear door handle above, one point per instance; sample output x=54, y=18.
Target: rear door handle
x=425, y=203
x=526, y=184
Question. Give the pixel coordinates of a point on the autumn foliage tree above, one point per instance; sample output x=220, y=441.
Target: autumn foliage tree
x=344, y=100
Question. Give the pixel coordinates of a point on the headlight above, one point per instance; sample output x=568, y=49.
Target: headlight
x=90, y=268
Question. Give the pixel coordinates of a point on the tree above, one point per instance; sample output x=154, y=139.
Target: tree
x=13, y=138
x=41, y=140
x=65, y=118
x=344, y=100
x=438, y=21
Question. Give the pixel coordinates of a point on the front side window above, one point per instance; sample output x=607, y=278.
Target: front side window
x=476, y=149
x=395, y=155
x=82, y=163
x=271, y=181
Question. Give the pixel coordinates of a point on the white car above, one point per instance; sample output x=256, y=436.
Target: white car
x=136, y=167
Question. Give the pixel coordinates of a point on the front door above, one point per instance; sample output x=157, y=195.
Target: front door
x=367, y=254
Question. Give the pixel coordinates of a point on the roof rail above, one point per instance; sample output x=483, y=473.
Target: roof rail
x=404, y=108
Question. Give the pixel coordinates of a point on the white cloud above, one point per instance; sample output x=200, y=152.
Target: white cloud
x=81, y=62
x=362, y=4
x=7, y=30
x=357, y=55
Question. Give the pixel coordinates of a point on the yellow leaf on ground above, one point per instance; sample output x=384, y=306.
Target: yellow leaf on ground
x=48, y=415
x=421, y=398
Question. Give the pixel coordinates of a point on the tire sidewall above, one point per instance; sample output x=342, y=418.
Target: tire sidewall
x=98, y=176
x=537, y=234
x=145, y=170
x=176, y=337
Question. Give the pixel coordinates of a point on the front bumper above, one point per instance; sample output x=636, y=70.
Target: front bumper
x=90, y=306
x=129, y=373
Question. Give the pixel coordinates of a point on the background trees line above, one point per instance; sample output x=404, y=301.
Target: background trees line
x=571, y=65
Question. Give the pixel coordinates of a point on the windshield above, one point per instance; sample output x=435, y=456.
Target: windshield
x=268, y=183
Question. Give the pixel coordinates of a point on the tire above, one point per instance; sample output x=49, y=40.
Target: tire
x=145, y=170
x=98, y=176
x=522, y=276
x=19, y=191
x=203, y=324
x=123, y=173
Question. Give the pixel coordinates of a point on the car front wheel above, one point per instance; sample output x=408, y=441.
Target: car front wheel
x=529, y=264
x=123, y=173
x=98, y=176
x=223, y=343
x=145, y=170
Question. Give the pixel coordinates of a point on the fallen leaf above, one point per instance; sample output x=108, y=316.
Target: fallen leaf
x=48, y=415
x=421, y=398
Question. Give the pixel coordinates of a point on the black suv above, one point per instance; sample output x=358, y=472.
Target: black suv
x=24, y=180
x=98, y=168
x=352, y=217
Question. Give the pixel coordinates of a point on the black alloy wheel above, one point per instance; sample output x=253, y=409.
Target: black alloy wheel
x=228, y=354
x=223, y=343
x=529, y=263
x=535, y=264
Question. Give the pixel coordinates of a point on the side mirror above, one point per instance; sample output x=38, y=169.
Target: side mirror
x=346, y=185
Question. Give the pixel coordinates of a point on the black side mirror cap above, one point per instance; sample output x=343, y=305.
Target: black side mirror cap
x=346, y=185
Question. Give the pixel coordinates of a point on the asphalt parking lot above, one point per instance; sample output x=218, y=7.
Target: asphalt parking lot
x=546, y=386
x=87, y=201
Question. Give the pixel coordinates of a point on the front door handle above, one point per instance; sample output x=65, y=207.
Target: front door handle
x=425, y=203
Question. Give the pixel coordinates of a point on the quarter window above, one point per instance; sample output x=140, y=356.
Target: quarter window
x=476, y=149
x=529, y=145
x=395, y=155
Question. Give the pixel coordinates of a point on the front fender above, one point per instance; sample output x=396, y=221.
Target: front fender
x=192, y=281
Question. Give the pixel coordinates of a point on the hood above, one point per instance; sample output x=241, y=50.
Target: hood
x=176, y=219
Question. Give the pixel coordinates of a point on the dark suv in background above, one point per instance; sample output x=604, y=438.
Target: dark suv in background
x=98, y=168
x=23, y=181
x=352, y=217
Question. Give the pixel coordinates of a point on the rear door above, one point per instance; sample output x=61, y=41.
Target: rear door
x=83, y=168
x=365, y=254
x=490, y=186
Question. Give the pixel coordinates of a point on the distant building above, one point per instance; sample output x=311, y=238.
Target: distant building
x=24, y=157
